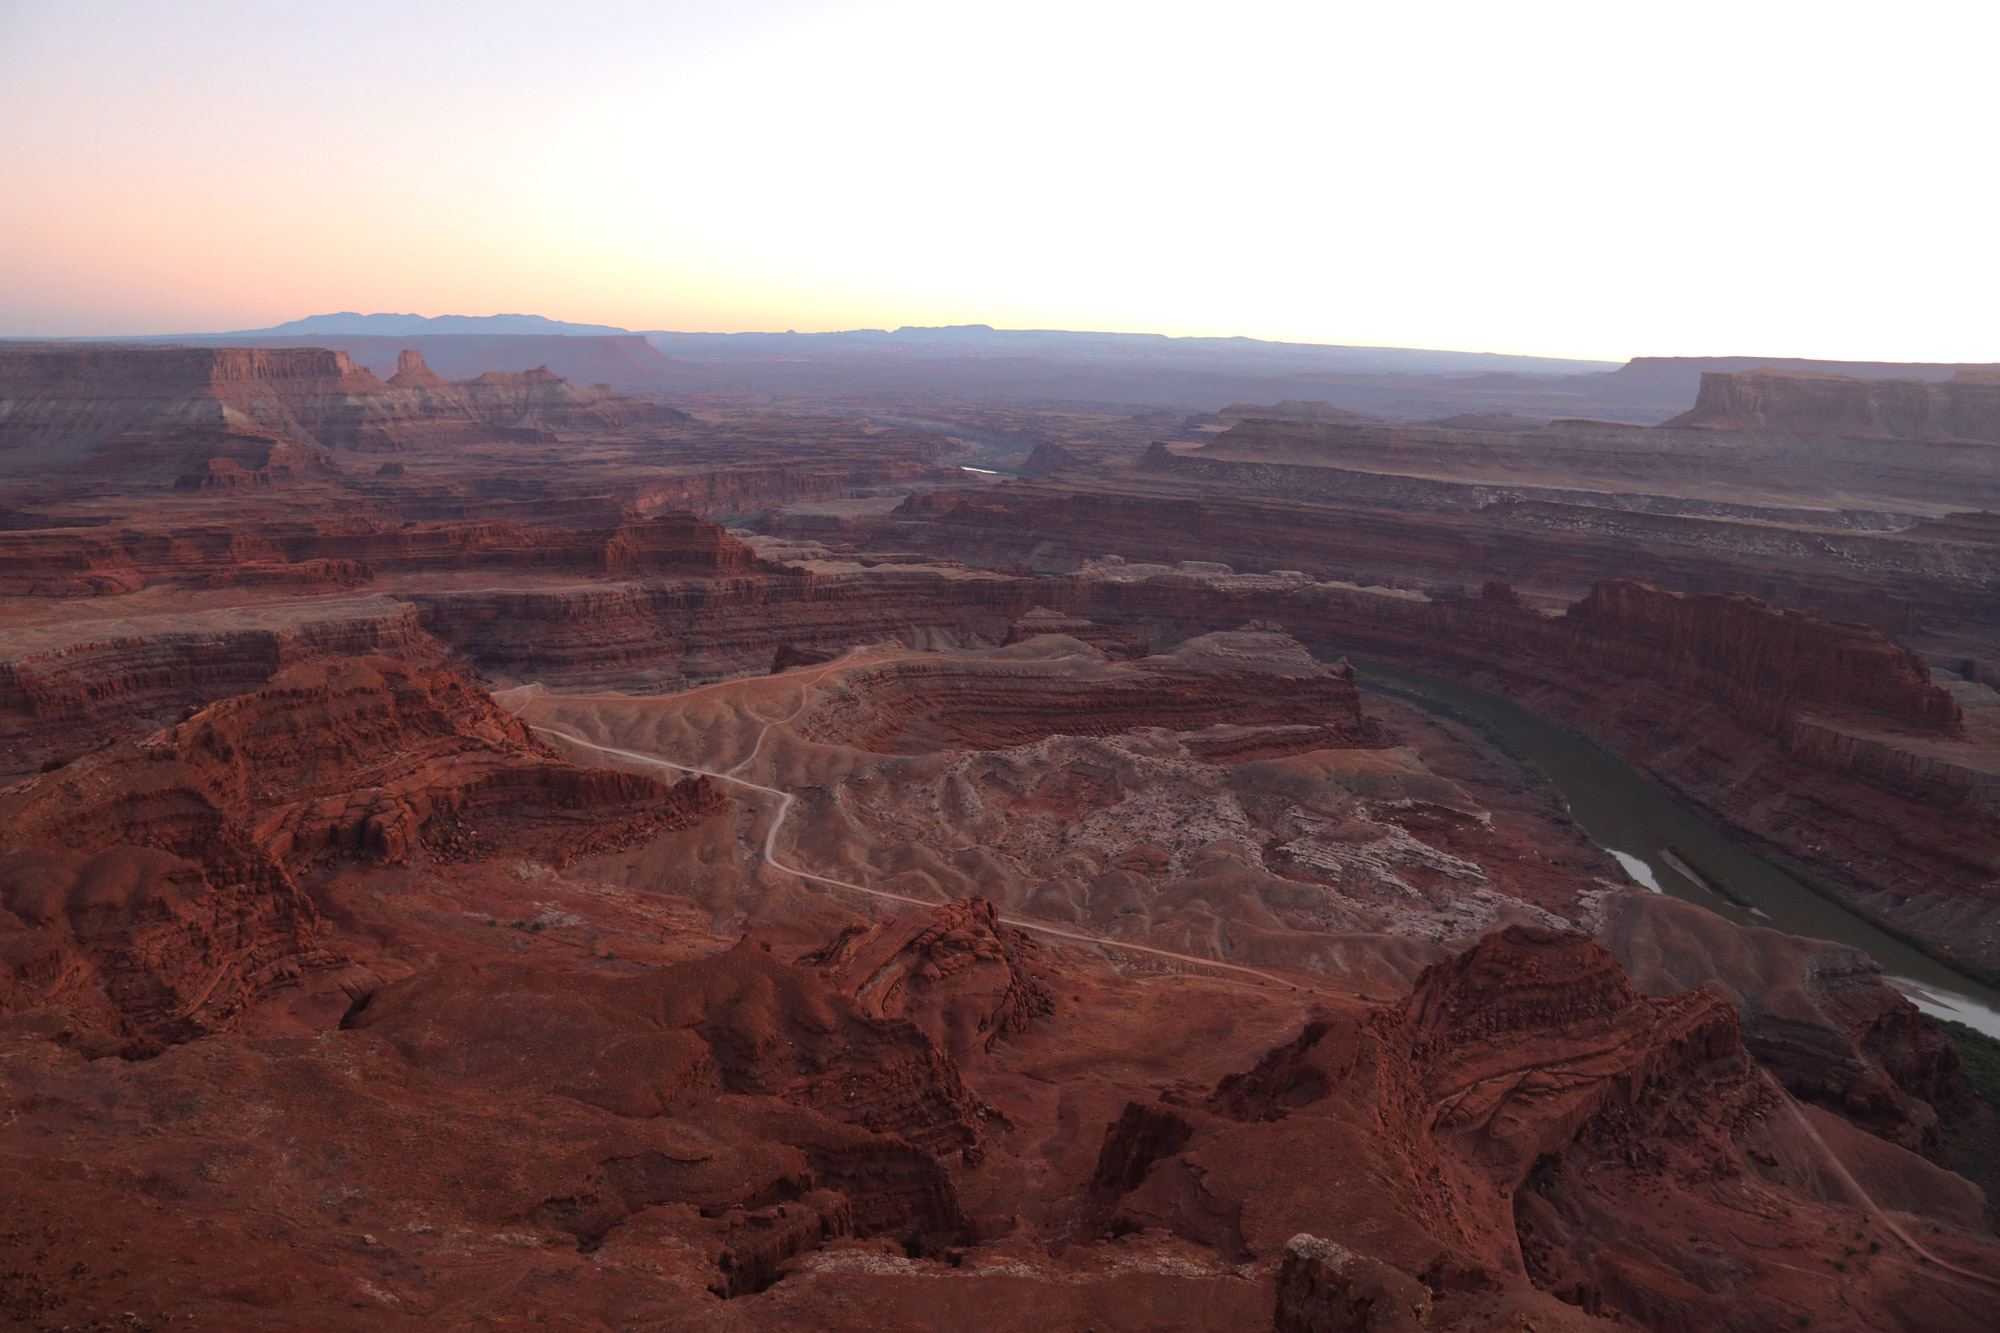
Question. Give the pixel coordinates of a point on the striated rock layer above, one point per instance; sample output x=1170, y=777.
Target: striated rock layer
x=1242, y=679
x=206, y=411
x=953, y=970
x=1780, y=404
x=93, y=562
x=1523, y=1087
x=151, y=887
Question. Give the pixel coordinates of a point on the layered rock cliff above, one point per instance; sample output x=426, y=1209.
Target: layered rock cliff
x=143, y=411
x=1523, y=1087
x=1788, y=404
x=86, y=689
x=149, y=886
x=1239, y=679
x=65, y=562
x=1891, y=580
x=1764, y=664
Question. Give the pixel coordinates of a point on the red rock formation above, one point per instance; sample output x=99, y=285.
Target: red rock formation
x=1889, y=579
x=952, y=970
x=1763, y=663
x=1806, y=437
x=1808, y=699
x=58, y=698
x=1789, y=404
x=253, y=463
x=602, y=1109
x=141, y=409
x=1117, y=644
x=1323, y=1288
x=1243, y=678
x=1459, y=1123
x=1048, y=458
x=149, y=885
x=824, y=1119
x=672, y=1137
x=692, y=629
x=627, y=362
x=94, y=561
x=412, y=373
x=1819, y=1016
x=790, y=655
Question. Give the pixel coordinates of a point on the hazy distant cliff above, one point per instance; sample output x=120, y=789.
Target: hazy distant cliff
x=1768, y=402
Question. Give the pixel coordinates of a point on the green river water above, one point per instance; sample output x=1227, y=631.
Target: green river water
x=1636, y=820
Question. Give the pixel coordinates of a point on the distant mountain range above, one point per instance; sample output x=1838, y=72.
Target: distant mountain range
x=885, y=371
x=946, y=342
x=401, y=326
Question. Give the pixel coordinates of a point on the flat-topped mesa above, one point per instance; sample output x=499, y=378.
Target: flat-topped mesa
x=1038, y=688
x=115, y=371
x=1765, y=664
x=681, y=542
x=146, y=410
x=1786, y=404
x=1980, y=527
x=1295, y=409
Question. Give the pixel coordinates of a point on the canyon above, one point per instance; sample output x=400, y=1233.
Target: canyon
x=487, y=849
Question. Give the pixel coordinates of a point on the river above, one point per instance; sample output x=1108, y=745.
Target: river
x=1638, y=821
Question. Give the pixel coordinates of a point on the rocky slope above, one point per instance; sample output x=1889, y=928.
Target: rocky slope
x=1815, y=729
x=1818, y=1016
x=152, y=887
x=1825, y=738
x=1251, y=817
x=1764, y=664
x=1519, y=1099
x=980, y=904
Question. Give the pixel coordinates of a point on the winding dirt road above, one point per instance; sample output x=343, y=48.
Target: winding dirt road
x=784, y=809
x=1863, y=1197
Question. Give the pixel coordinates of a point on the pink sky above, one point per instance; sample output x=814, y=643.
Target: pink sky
x=1557, y=178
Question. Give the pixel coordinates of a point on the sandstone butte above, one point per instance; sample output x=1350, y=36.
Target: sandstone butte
x=492, y=852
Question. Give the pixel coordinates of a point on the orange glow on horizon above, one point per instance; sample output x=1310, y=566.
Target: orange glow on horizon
x=1551, y=178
